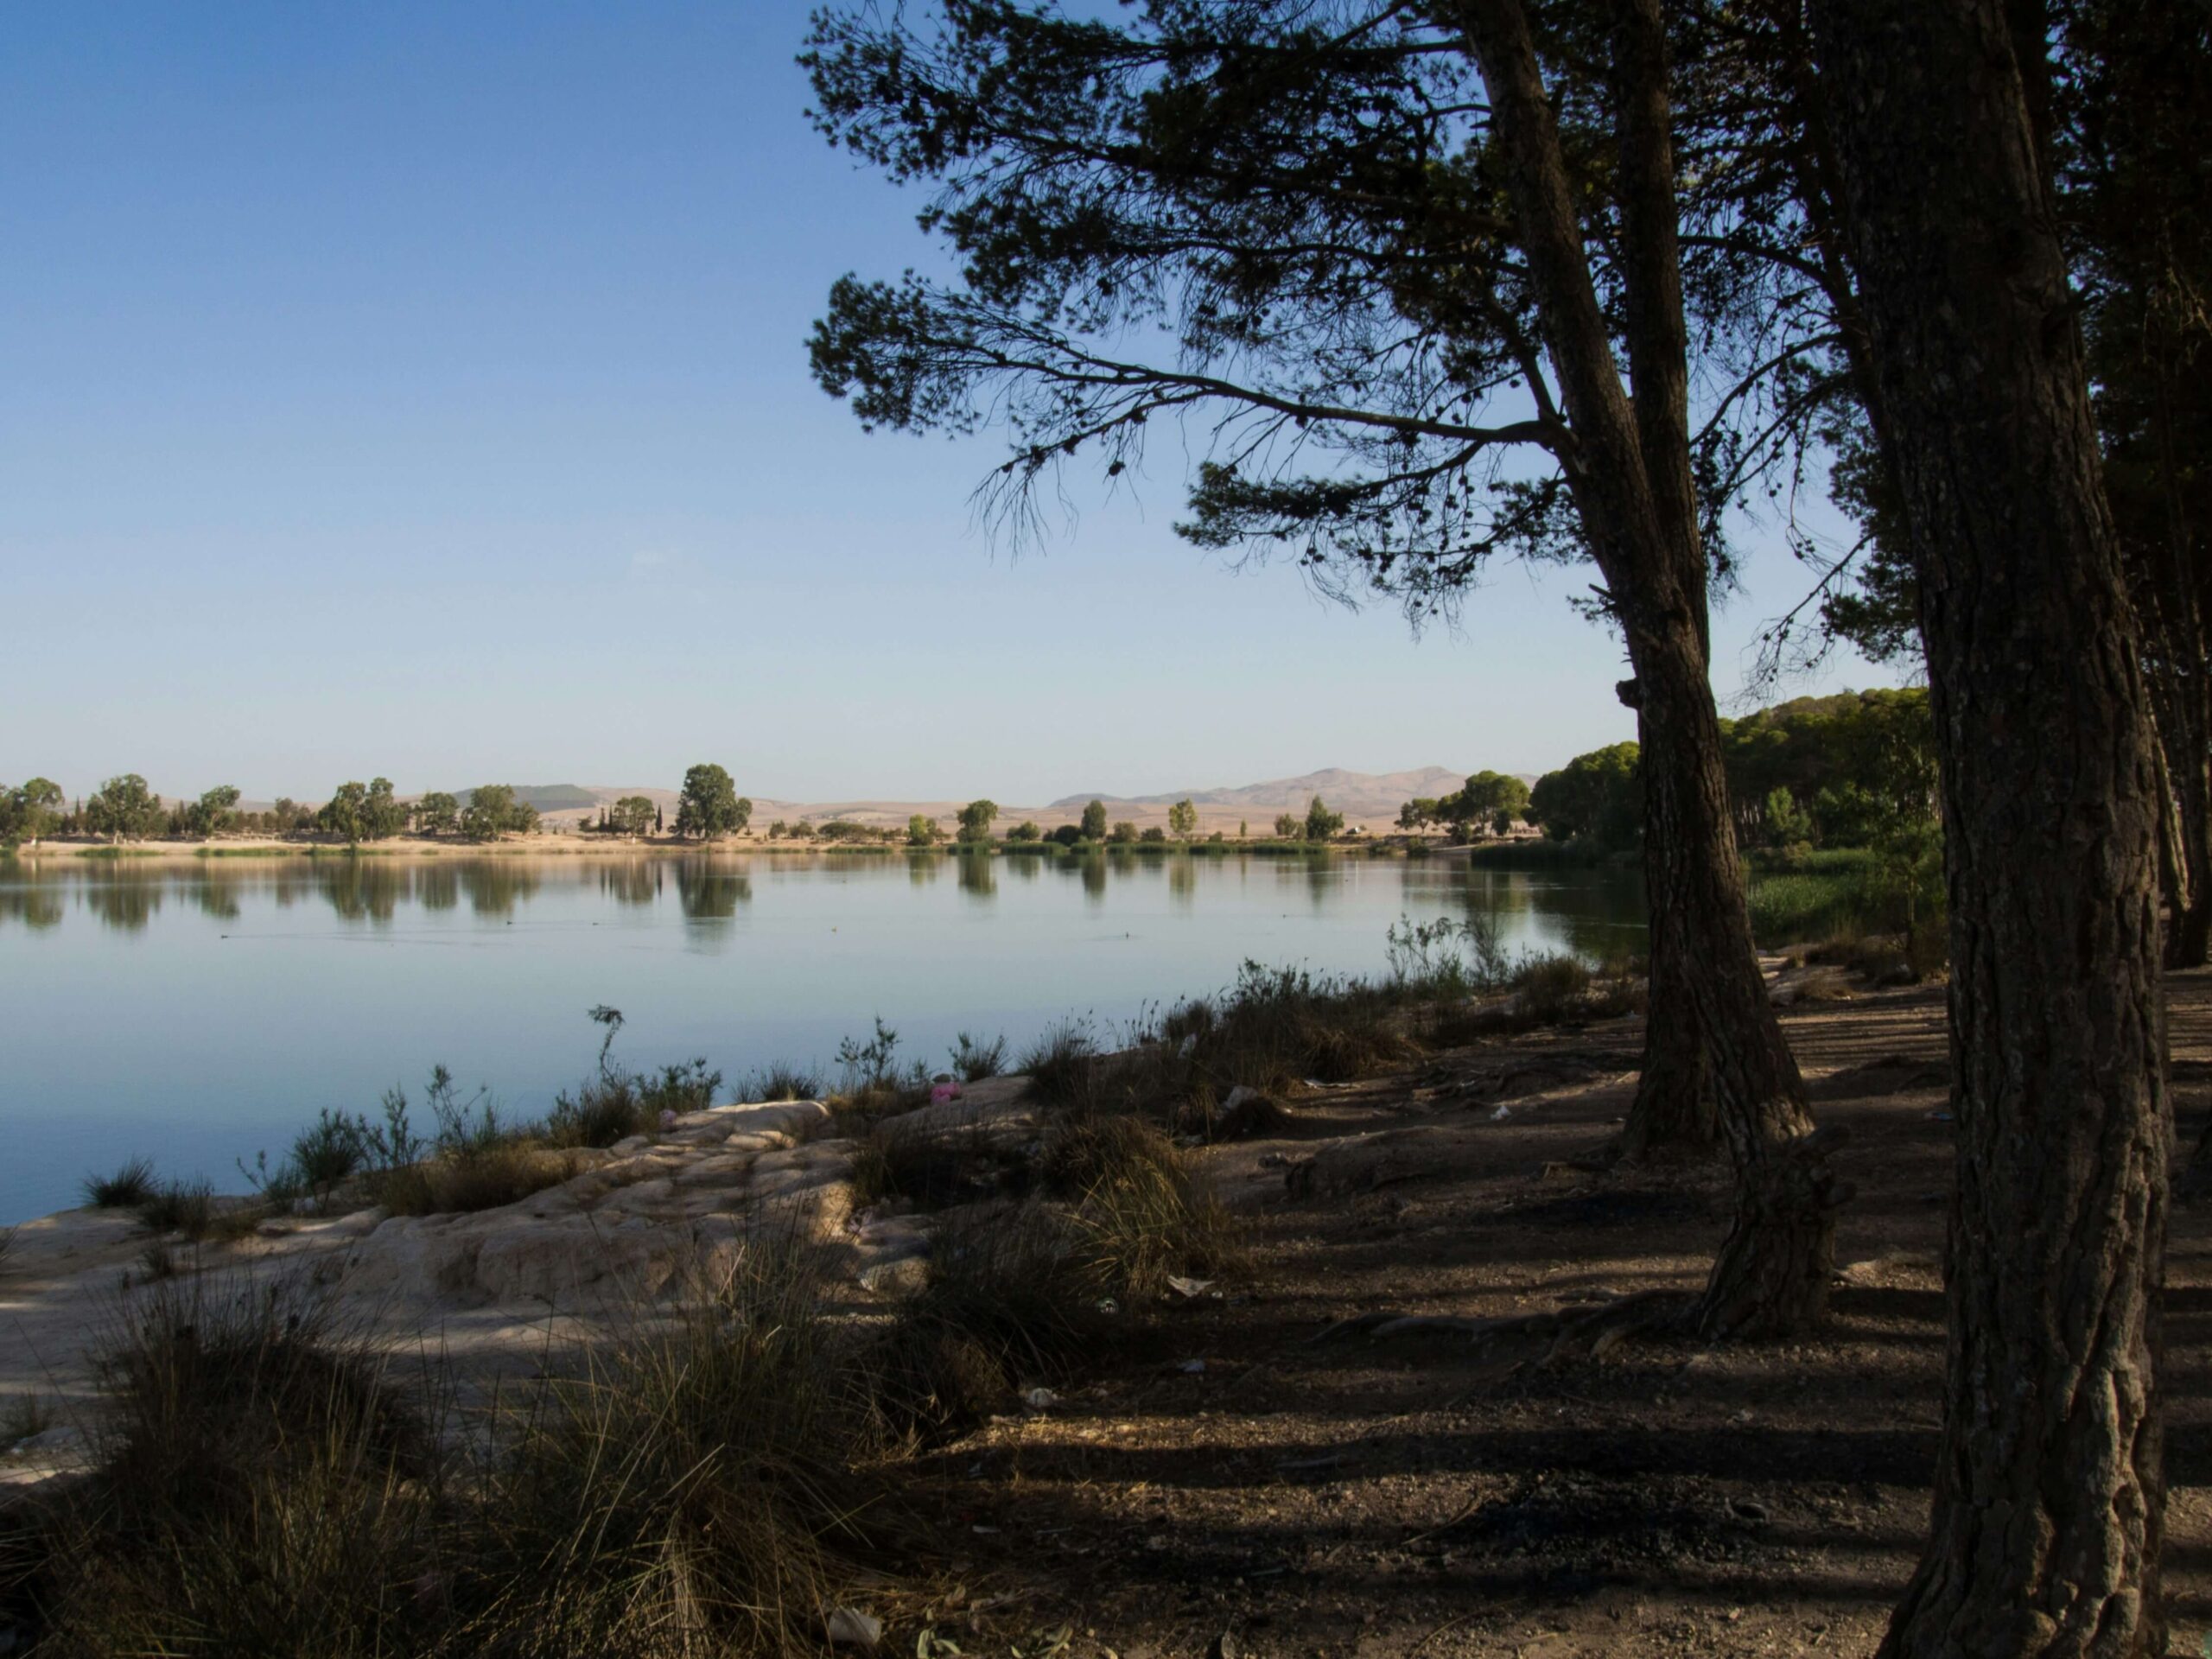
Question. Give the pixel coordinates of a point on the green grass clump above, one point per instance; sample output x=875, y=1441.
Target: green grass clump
x=1788, y=908
x=126, y=1189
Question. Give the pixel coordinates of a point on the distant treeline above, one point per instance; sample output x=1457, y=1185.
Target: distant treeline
x=709, y=808
x=125, y=809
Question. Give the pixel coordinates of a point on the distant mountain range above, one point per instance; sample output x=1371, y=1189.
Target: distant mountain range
x=1371, y=799
x=1355, y=794
x=1363, y=796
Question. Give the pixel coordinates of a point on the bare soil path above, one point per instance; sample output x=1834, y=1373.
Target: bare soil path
x=1430, y=1498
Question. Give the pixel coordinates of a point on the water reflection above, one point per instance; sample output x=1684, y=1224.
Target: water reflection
x=1596, y=914
x=711, y=893
x=437, y=886
x=33, y=907
x=124, y=899
x=496, y=885
x=363, y=889
x=1182, y=881
x=632, y=881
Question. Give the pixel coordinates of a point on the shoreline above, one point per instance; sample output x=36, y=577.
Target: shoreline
x=560, y=847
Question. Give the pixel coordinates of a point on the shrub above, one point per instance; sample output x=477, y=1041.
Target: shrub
x=782, y=1081
x=327, y=1153
x=1141, y=1211
x=24, y=1415
x=1550, y=986
x=187, y=1207
x=975, y=1059
x=708, y=1491
x=603, y=1110
x=470, y=1178
x=257, y=1488
x=1059, y=1064
x=1005, y=1304
x=686, y=1087
x=129, y=1188
x=873, y=1083
x=617, y=1103
x=929, y=1167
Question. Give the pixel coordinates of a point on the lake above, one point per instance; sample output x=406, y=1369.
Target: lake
x=196, y=1013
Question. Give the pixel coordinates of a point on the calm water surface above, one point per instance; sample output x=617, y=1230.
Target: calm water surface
x=198, y=1013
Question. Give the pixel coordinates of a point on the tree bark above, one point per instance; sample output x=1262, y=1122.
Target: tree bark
x=1629, y=468
x=2049, y=1492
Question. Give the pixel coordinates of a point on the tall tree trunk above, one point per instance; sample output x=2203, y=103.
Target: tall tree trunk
x=1675, y=1108
x=1629, y=470
x=2048, y=1493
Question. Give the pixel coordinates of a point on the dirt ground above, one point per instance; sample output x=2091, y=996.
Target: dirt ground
x=1225, y=1486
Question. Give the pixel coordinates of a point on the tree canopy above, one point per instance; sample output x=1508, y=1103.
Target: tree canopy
x=123, y=806
x=710, y=806
x=29, y=811
x=976, y=818
x=494, y=809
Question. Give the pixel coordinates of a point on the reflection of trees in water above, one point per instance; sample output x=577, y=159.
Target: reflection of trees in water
x=495, y=887
x=1026, y=865
x=708, y=894
x=126, y=899
x=437, y=886
x=977, y=875
x=1315, y=873
x=35, y=904
x=1093, y=866
x=1596, y=914
x=922, y=868
x=630, y=881
x=362, y=889
x=217, y=895
x=1182, y=880
x=1324, y=875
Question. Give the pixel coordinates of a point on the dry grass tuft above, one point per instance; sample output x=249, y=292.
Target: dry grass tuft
x=713, y=1490
x=466, y=1178
x=128, y=1188
x=258, y=1488
x=713, y=1486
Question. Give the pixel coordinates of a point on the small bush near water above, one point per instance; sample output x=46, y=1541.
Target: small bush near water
x=612, y=1105
x=187, y=1207
x=782, y=1081
x=126, y=1189
x=975, y=1059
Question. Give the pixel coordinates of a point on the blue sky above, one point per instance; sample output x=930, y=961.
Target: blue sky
x=421, y=390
